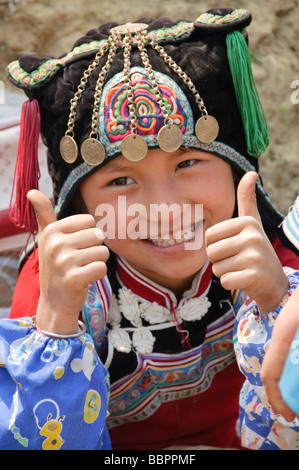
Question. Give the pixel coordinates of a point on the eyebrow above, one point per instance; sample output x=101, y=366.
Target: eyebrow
x=117, y=166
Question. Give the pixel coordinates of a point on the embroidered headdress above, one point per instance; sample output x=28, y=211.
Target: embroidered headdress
x=156, y=82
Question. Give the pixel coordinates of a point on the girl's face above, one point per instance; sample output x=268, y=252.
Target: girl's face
x=140, y=207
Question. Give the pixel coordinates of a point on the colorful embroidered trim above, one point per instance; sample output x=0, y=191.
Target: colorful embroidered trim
x=39, y=75
x=95, y=312
x=209, y=18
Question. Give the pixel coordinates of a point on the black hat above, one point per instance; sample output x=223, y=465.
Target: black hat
x=122, y=85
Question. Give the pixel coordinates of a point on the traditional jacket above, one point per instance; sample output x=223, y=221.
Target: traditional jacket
x=174, y=379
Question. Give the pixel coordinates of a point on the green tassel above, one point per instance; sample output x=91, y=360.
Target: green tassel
x=254, y=120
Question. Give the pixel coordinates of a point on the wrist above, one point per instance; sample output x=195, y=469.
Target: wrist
x=275, y=297
x=81, y=329
x=55, y=322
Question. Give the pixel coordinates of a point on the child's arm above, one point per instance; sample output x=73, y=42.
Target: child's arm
x=53, y=387
x=54, y=392
x=261, y=427
x=242, y=255
x=283, y=334
x=71, y=256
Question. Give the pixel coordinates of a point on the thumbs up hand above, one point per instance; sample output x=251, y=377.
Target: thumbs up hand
x=71, y=256
x=242, y=255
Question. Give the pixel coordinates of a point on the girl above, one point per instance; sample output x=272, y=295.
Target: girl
x=141, y=119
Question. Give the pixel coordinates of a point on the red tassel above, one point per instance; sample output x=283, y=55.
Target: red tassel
x=27, y=171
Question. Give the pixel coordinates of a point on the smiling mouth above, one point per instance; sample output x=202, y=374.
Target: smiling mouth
x=181, y=236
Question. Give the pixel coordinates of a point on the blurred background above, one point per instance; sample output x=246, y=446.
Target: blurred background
x=50, y=27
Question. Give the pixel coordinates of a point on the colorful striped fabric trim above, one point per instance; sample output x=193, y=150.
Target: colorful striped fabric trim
x=163, y=378
x=291, y=224
x=95, y=312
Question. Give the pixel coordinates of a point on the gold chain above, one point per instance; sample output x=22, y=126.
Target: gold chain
x=177, y=69
x=127, y=81
x=81, y=88
x=113, y=43
x=147, y=65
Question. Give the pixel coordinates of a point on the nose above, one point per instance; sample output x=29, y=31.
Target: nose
x=163, y=191
x=164, y=204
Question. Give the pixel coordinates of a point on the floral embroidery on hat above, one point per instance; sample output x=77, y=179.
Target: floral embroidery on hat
x=150, y=117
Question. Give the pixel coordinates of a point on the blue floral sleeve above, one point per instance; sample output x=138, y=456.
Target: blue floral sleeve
x=260, y=426
x=53, y=392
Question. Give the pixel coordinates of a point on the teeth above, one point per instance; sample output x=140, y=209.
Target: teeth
x=179, y=237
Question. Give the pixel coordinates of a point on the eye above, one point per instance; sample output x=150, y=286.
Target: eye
x=122, y=181
x=187, y=163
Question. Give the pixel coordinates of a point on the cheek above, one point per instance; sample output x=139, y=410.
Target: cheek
x=114, y=221
x=106, y=217
x=220, y=199
x=225, y=209
x=119, y=247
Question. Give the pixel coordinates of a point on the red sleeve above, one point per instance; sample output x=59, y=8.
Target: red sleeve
x=286, y=256
x=26, y=293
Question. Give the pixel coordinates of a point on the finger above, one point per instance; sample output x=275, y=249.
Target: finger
x=43, y=209
x=222, y=230
x=240, y=279
x=246, y=196
x=224, y=266
x=84, y=275
x=92, y=254
x=76, y=223
x=223, y=249
x=87, y=237
x=228, y=229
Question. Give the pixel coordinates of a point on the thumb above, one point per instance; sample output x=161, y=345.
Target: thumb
x=246, y=196
x=43, y=208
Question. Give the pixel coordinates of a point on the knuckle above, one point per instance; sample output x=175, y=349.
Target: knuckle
x=71, y=278
x=253, y=257
x=48, y=232
x=54, y=246
x=63, y=260
x=251, y=238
